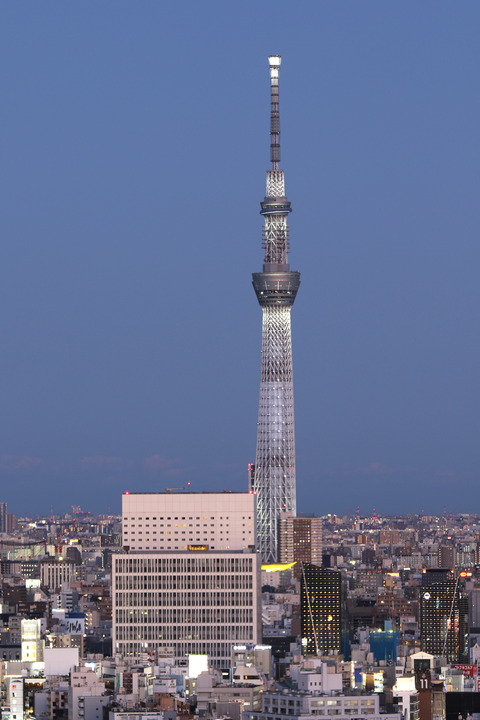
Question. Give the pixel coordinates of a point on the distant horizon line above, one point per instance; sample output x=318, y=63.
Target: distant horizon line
x=350, y=515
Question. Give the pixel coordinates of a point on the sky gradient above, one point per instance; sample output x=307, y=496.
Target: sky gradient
x=134, y=148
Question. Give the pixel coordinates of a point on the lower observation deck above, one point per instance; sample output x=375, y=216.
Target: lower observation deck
x=276, y=288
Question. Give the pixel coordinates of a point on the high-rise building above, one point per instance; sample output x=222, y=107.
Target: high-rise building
x=474, y=610
x=300, y=541
x=188, y=581
x=8, y=521
x=276, y=288
x=446, y=557
x=11, y=522
x=436, y=575
x=194, y=602
x=321, y=605
x=444, y=621
x=55, y=573
x=3, y=517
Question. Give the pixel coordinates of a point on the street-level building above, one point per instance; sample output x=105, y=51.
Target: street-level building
x=299, y=706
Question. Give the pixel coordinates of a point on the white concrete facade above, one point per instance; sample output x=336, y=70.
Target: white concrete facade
x=15, y=697
x=56, y=573
x=317, y=679
x=85, y=687
x=198, y=602
x=210, y=692
x=299, y=706
x=173, y=521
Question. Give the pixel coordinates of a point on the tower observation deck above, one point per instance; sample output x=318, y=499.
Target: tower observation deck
x=276, y=288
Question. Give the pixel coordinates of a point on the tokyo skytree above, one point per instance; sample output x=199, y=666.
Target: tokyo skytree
x=276, y=287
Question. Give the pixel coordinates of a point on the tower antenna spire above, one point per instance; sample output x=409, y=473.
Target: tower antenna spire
x=274, y=62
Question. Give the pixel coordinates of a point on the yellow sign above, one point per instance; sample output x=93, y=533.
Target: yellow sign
x=275, y=567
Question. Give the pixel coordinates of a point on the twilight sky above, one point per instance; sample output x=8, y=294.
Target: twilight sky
x=134, y=147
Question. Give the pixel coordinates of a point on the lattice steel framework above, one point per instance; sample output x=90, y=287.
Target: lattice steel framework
x=276, y=288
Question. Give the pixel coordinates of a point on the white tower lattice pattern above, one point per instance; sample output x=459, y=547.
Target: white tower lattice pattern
x=276, y=288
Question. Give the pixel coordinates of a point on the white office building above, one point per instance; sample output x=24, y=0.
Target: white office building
x=175, y=604
x=301, y=706
x=190, y=580
x=56, y=573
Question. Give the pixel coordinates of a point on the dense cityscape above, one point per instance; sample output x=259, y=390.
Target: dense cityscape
x=361, y=616
x=232, y=604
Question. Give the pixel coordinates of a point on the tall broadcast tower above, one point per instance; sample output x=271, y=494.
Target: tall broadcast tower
x=276, y=287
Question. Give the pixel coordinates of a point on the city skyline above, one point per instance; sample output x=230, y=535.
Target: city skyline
x=133, y=155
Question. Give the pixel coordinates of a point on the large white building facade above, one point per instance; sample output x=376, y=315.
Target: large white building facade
x=174, y=604
x=173, y=521
x=193, y=587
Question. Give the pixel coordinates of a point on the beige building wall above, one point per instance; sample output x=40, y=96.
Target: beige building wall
x=301, y=540
x=173, y=521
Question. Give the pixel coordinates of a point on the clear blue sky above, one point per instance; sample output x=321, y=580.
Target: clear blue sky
x=134, y=147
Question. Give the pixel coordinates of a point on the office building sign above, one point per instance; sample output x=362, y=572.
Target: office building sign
x=467, y=670
x=72, y=625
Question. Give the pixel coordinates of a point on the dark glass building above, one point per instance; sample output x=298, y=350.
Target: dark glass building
x=321, y=602
x=444, y=621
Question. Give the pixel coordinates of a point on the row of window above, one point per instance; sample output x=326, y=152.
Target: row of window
x=197, y=517
x=180, y=565
x=176, y=532
x=320, y=713
x=177, y=547
x=215, y=650
x=169, y=525
x=195, y=582
x=234, y=633
x=219, y=598
x=273, y=704
x=193, y=615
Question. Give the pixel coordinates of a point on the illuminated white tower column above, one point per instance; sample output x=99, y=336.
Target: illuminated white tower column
x=276, y=288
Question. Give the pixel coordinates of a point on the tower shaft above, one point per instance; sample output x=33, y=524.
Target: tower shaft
x=276, y=288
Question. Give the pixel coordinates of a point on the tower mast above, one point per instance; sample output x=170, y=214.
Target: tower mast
x=276, y=287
